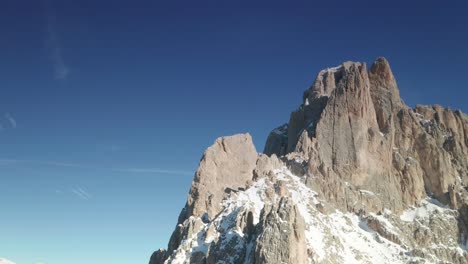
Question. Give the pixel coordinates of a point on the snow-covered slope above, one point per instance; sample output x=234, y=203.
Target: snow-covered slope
x=334, y=237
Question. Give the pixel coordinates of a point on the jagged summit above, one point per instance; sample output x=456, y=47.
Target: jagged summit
x=228, y=163
x=327, y=80
x=316, y=97
x=380, y=70
x=355, y=176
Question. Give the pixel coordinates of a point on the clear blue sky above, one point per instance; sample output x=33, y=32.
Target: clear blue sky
x=107, y=106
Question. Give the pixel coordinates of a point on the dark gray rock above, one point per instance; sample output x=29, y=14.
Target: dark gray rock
x=158, y=257
x=277, y=141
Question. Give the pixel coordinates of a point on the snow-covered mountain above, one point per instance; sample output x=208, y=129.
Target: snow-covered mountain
x=355, y=176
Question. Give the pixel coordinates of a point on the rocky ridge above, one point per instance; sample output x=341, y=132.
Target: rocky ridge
x=355, y=176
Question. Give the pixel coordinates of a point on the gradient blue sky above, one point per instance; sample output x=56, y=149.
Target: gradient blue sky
x=107, y=106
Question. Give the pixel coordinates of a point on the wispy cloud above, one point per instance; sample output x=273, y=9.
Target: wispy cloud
x=81, y=193
x=154, y=170
x=11, y=120
x=38, y=162
x=61, y=69
x=115, y=148
x=60, y=164
x=7, y=122
x=6, y=161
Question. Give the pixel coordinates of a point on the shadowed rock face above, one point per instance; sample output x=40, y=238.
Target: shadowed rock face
x=158, y=257
x=277, y=141
x=352, y=146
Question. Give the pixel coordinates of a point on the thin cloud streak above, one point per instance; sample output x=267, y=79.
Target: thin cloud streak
x=61, y=164
x=85, y=193
x=11, y=120
x=7, y=122
x=6, y=162
x=155, y=170
x=79, y=192
x=61, y=70
x=39, y=162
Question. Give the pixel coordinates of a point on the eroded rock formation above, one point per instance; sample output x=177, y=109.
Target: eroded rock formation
x=355, y=175
x=227, y=165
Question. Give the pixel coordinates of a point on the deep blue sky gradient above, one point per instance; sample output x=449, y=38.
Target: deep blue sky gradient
x=120, y=99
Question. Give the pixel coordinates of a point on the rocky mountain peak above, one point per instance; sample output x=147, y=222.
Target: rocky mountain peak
x=328, y=79
x=226, y=165
x=354, y=176
x=381, y=70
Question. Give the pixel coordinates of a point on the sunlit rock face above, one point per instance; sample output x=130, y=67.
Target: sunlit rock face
x=227, y=164
x=355, y=176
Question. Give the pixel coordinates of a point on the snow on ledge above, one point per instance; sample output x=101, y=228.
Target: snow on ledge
x=428, y=206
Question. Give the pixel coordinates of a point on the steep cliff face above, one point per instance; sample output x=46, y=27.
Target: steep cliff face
x=227, y=164
x=354, y=127
x=354, y=176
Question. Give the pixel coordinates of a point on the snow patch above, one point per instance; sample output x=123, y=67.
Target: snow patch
x=302, y=196
x=426, y=123
x=366, y=192
x=428, y=207
x=359, y=241
x=386, y=223
x=248, y=199
x=282, y=130
x=339, y=235
x=331, y=70
x=418, y=115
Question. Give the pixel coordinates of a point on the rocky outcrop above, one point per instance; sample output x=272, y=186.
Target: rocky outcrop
x=343, y=141
x=355, y=175
x=227, y=164
x=354, y=129
x=277, y=141
x=281, y=237
x=265, y=166
x=360, y=135
x=158, y=257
